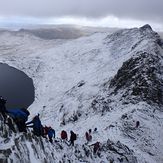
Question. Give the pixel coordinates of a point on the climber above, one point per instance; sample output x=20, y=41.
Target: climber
x=72, y=138
x=37, y=126
x=3, y=110
x=95, y=130
x=88, y=136
x=20, y=116
x=63, y=135
x=45, y=131
x=51, y=134
x=137, y=124
x=96, y=147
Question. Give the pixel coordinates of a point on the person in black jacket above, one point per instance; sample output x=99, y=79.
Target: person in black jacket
x=96, y=147
x=36, y=125
x=72, y=138
x=3, y=110
x=137, y=124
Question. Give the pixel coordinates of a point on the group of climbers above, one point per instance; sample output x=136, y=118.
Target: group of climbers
x=20, y=117
x=64, y=137
x=50, y=132
x=39, y=130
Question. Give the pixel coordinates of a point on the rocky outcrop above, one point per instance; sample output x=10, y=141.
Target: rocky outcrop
x=140, y=78
x=22, y=147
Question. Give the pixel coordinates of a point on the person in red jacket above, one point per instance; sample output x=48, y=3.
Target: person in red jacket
x=63, y=135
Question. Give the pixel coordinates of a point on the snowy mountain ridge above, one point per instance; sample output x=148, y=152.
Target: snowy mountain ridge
x=108, y=81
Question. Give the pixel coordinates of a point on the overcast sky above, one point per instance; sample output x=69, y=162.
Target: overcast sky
x=117, y=12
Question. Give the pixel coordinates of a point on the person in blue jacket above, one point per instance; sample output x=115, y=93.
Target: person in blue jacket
x=20, y=116
x=36, y=125
x=51, y=134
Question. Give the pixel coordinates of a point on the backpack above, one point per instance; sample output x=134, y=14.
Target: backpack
x=51, y=132
x=64, y=134
x=25, y=111
x=18, y=114
x=45, y=130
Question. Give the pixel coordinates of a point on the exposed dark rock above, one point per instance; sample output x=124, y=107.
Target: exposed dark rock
x=101, y=105
x=81, y=83
x=139, y=78
x=147, y=26
x=120, y=152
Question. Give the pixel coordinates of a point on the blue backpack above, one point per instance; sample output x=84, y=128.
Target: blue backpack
x=51, y=133
x=18, y=113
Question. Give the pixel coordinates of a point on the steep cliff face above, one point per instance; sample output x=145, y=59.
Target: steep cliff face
x=141, y=76
x=141, y=79
x=108, y=81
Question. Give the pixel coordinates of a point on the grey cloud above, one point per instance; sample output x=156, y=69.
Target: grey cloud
x=134, y=9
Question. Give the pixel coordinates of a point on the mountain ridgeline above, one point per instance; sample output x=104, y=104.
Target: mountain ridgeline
x=140, y=76
x=115, y=83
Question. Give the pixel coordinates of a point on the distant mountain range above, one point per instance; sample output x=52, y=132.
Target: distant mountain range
x=50, y=32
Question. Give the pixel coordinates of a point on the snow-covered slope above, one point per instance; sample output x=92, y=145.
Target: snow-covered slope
x=108, y=81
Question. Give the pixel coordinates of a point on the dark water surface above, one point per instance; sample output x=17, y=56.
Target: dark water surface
x=16, y=87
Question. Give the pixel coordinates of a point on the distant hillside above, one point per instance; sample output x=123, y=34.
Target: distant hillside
x=58, y=32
